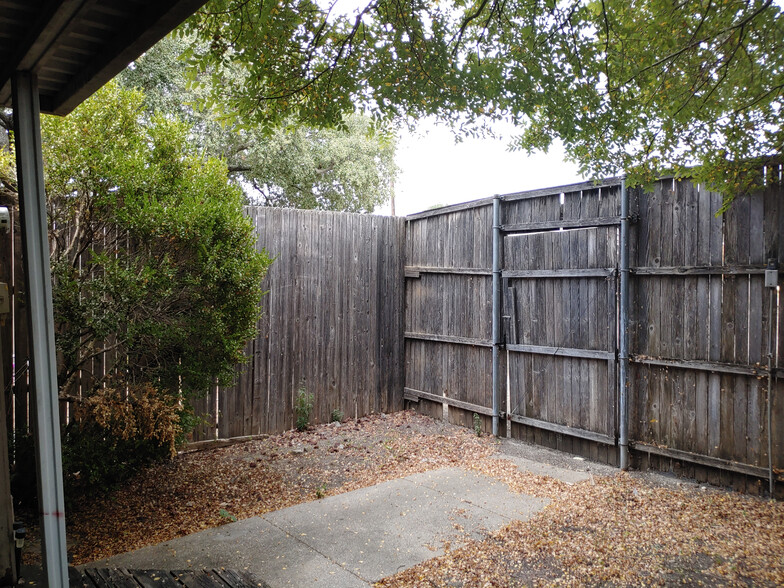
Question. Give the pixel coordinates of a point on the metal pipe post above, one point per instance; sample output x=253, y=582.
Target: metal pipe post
x=770, y=391
x=32, y=201
x=623, y=335
x=496, y=311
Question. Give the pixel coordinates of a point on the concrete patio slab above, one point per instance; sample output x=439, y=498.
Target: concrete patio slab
x=543, y=469
x=350, y=539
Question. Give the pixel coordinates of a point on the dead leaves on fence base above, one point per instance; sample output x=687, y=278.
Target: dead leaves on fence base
x=617, y=531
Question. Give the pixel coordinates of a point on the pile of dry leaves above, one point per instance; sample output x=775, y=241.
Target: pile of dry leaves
x=618, y=530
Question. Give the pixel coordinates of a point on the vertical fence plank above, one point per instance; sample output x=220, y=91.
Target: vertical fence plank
x=330, y=295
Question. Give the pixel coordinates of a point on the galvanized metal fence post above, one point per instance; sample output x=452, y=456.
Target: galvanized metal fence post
x=771, y=283
x=497, y=338
x=623, y=335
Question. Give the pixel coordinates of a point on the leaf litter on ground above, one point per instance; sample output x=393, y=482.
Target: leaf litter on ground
x=617, y=530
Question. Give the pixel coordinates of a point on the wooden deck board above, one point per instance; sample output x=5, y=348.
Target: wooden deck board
x=121, y=578
x=199, y=579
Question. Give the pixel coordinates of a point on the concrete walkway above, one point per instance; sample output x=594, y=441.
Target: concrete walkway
x=352, y=539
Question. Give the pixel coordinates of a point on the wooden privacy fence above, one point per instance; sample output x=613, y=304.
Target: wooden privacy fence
x=701, y=324
x=366, y=311
x=331, y=324
x=698, y=321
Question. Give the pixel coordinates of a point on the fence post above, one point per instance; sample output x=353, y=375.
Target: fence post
x=771, y=282
x=623, y=335
x=497, y=342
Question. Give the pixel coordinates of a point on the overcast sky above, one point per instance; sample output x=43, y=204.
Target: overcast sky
x=436, y=171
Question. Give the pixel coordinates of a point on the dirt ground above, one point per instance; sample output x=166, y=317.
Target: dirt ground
x=616, y=529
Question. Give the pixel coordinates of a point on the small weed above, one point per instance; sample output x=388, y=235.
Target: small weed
x=321, y=491
x=303, y=406
x=225, y=514
x=477, y=425
x=336, y=416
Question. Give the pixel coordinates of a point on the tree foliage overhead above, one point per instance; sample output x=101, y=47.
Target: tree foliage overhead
x=637, y=86
x=350, y=168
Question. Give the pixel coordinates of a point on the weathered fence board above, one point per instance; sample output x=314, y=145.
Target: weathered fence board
x=698, y=327
x=713, y=318
x=332, y=323
x=362, y=308
x=448, y=314
x=562, y=311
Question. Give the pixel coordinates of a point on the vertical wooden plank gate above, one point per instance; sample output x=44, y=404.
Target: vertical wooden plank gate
x=560, y=276
x=448, y=310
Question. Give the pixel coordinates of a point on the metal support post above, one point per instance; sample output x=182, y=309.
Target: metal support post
x=497, y=337
x=32, y=200
x=772, y=283
x=623, y=334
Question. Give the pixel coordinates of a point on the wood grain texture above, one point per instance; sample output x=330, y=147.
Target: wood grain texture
x=331, y=322
x=698, y=324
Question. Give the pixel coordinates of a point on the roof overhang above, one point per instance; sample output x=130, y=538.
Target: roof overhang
x=75, y=46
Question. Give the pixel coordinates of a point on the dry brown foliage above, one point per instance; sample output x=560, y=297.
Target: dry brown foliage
x=136, y=412
x=614, y=531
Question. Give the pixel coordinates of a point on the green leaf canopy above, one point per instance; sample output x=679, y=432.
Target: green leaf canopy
x=636, y=86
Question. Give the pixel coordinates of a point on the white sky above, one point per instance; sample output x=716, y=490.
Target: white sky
x=434, y=170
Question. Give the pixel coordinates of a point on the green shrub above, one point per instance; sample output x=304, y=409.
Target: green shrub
x=336, y=416
x=303, y=407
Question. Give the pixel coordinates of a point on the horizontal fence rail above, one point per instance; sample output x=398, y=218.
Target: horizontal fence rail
x=702, y=389
x=368, y=312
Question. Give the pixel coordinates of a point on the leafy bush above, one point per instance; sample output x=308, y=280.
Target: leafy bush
x=303, y=406
x=154, y=259
x=115, y=432
x=336, y=416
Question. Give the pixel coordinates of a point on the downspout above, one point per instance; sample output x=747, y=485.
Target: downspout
x=32, y=201
x=496, y=311
x=623, y=335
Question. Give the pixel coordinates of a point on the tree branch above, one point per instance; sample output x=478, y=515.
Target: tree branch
x=696, y=43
